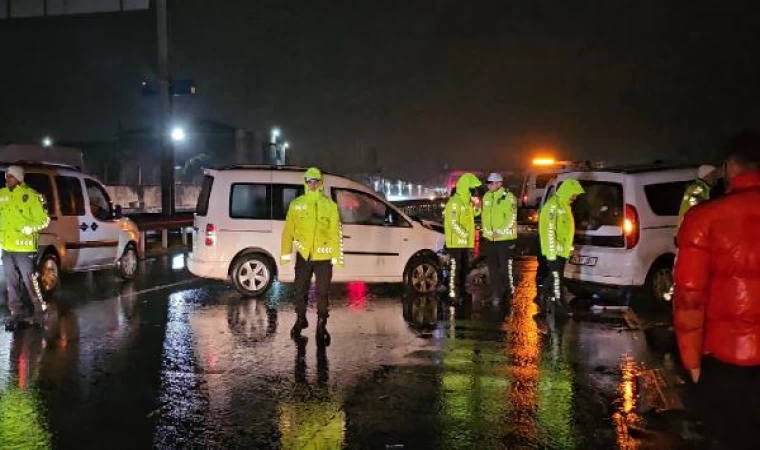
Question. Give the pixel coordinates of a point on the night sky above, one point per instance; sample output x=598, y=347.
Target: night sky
x=471, y=84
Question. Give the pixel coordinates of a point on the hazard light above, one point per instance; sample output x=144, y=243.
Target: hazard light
x=544, y=161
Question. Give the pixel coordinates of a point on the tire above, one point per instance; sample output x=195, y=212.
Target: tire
x=423, y=275
x=658, y=282
x=49, y=268
x=128, y=263
x=252, y=274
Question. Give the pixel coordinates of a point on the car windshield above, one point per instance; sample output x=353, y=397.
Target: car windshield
x=601, y=205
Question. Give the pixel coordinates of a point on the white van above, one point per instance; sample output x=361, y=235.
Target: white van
x=625, y=225
x=86, y=231
x=241, y=213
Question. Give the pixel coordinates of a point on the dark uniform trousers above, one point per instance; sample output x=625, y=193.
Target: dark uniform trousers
x=322, y=270
x=19, y=267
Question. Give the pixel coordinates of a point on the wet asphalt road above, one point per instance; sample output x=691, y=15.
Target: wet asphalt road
x=170, y=361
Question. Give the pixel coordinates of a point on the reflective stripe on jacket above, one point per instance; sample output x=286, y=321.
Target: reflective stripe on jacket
x=499, y=215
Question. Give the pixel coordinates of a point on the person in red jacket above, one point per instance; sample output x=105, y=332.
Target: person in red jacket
x=716, y=308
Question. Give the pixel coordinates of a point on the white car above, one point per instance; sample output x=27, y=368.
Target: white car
x=625, y=227
x=241, y=213
x=86, y=231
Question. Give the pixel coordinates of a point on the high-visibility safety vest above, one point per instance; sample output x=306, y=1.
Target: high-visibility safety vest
x=22, y=217
x=459, y=215
x=696, y=193
x=499, y=216
x=556, y=225
x=313, y=227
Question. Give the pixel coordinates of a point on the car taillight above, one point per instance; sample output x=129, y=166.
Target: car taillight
x=631, y=227
x=210, y=235
x=525, y=199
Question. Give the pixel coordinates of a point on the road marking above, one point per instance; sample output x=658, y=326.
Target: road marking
x=159, y=288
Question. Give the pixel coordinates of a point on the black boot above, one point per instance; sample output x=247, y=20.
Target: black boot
x=12, y=323
x=300, y=325
x=323, y=336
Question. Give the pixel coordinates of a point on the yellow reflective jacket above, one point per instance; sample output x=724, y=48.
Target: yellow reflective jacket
x=313, y=227
x=499, y=215
x=459, y=215
x=22, y=217
x=556, y=225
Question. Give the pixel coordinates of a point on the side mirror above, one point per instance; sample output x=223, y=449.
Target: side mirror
x=117, y=213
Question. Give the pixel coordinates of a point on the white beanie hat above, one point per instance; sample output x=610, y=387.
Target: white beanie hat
x=17, y=172
x=705, y=171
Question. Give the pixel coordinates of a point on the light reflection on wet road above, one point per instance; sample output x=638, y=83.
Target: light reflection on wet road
x=174, y=362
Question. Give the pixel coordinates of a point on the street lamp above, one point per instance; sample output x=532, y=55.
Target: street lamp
x=275, y=134
x=47, y=141
x=178, y=134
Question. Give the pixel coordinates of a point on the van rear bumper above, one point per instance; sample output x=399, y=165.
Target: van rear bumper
x=207, y=269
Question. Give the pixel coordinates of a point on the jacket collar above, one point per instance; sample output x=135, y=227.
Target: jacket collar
x=746, y=180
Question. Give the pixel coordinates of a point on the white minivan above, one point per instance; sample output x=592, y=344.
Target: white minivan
x=86, y=231
x=625, y=227
x=241, y=213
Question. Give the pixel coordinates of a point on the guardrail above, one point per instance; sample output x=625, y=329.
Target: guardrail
x=147, y=222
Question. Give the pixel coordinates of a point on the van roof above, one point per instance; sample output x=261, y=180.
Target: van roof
x=264, y=167
x=633, y=169
x=40, y=164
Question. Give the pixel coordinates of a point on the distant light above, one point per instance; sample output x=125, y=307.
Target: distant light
x=286, y=145
x=178, y=134
x=47, y=141
x=544, y=161
x=275, y=132
x=432, y=197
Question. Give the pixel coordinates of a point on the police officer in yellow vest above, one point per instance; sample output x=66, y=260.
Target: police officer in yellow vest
x=459, y=228
x=22, y=217
x=499, y=230
x=313, y=227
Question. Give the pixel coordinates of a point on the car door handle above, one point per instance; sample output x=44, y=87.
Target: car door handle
x=346, y=237
x=83, y=227
x=94, y=226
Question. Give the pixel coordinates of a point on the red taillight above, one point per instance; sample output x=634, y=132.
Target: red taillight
x=210, y=235
x=525, y=200
x=631, y=227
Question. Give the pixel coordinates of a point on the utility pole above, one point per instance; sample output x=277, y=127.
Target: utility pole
x=167, y=147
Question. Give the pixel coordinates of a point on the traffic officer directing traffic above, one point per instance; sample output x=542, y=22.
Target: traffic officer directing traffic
x=459, y=228
x=313, y=227
x=556, y=228
x=22, y=217
x=499, y=220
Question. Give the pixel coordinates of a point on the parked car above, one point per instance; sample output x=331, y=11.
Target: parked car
x=86, y=231
x=241, y=213
x=625, y=224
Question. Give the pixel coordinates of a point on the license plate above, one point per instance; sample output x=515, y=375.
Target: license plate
x=580, y=260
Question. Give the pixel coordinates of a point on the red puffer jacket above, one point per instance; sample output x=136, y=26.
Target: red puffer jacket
x=716, y=306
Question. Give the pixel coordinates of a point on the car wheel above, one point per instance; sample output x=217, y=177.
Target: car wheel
x=423, y=276
x=127, y=265
x=252, y=274
x=659, y=283
x=49, y=269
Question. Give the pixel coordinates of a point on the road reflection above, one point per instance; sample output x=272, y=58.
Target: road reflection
x=22, y=423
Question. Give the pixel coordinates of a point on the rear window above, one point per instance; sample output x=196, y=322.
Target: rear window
x=282, y=195
x=601, y=205
x=41, y=183
x=665, y=198
x=542, y=179
x=70, y=196
x=202, y=208
x=249, y=201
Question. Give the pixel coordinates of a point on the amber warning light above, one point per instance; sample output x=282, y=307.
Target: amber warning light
x=543, y=161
